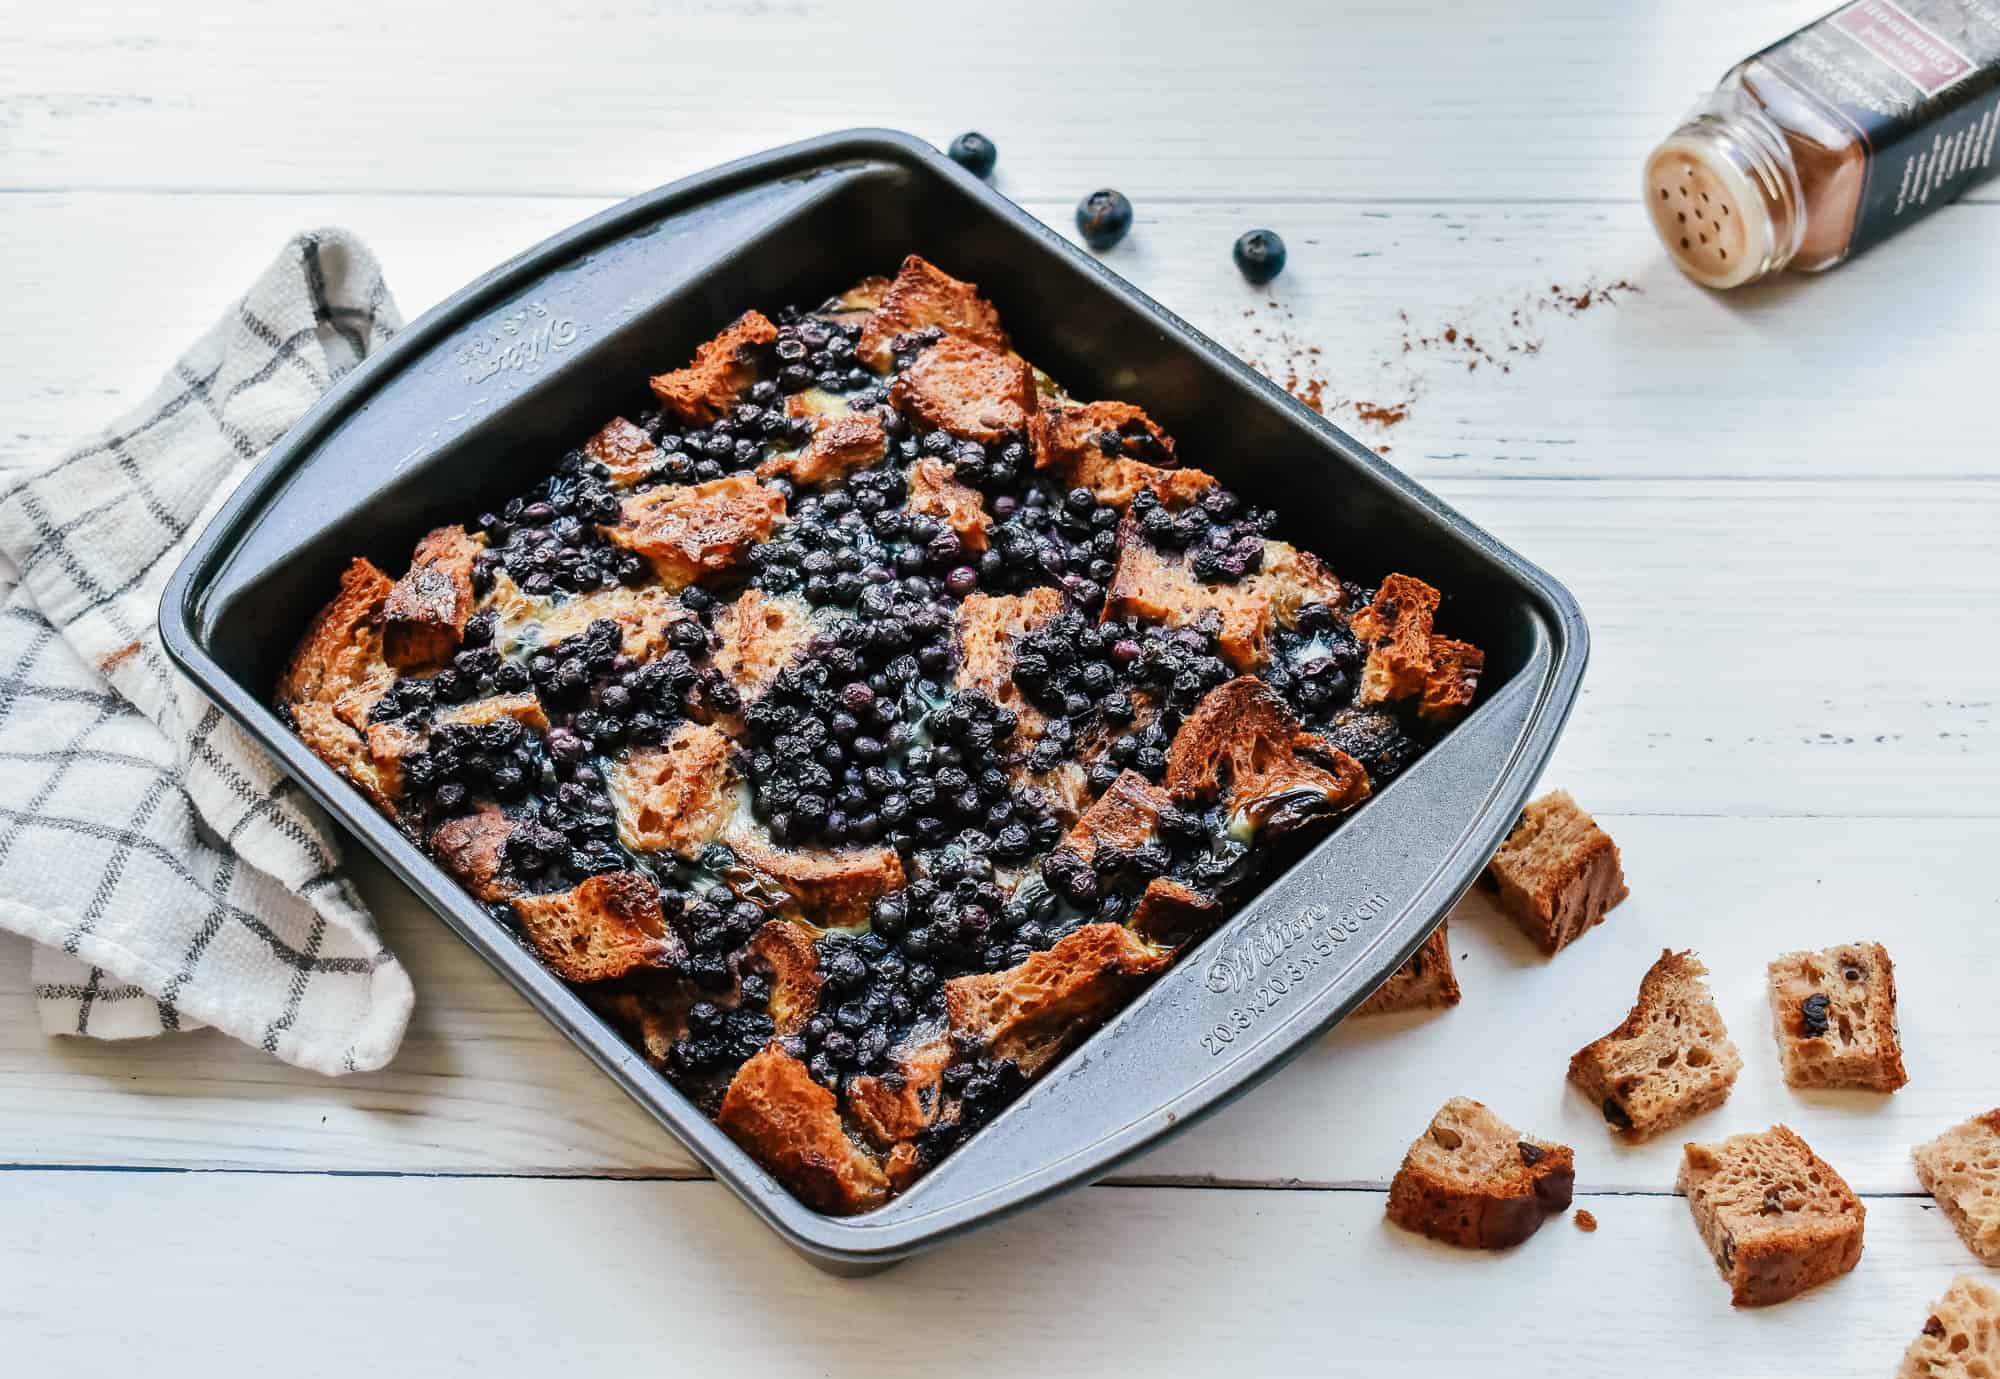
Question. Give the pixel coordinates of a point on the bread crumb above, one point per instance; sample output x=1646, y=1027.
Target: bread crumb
x=1586, y=1222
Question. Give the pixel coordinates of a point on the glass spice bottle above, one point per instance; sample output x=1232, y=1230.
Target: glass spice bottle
x=1831, y=140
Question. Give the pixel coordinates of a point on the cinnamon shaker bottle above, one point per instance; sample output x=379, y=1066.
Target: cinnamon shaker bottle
x=1827, y=141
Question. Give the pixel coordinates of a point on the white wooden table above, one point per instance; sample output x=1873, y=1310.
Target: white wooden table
x=1777, y=508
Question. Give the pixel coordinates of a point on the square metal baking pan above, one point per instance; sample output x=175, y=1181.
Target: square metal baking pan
x=470, y=403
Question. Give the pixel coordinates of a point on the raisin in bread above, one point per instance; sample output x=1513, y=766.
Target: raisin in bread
x=1834, y=1013
x=1473, y=1180
x=1558, y=873
x=1669, y=1061
x=1776, y=1216
x=1961, y=1337
x=1961, y=1168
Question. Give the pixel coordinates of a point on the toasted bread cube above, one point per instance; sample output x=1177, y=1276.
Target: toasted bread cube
x=1670, y=1060
x=835, y=887
x=473, y=847
x=922, y=296
x=1123, y=817
x=389, y=744
x=346, y=749
x=1558, y=872
x=642, y=614
x=989, y=626
x=1425, y=982
x=623, y=449
x=972, y=392
x=1034, y=1011
x=1451, y=682
x=1834, y=1014
x=901, y=1104
x=524, y=709
x=759, y=634
x=676, y=797
x=424, y=617
x=692, y=533
x=653, y=1020
x=1961, y=1336
x=339, y=662
x=1474, y=1181
x=1396, y=629
x=791, y=1125
x=603, y=927
x=936, y=492
x=722, y=369
x=790, y=959
x=1170, y=914
x=1776, y=1216
x=1243, y=747
x=1114, y=450
x=1961, y=1169
x=839, y=446
x=1148, y=585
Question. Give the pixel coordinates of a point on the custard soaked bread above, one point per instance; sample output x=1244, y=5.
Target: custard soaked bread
x=869, y=722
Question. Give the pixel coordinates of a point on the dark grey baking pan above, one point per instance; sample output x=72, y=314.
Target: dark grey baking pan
x=468, y=404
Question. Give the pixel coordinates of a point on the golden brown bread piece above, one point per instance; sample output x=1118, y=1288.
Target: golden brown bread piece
x=1834, y=1014
x=524, y=709
x=1670, y=1060
x=1396, y=630
x=473, y=847
x=922, y=296
x=791, y=1125
x=1124, y=816
x=791, y=960
x=1039, y=1008
x=1242, y=746
x=1558, y=872
x=424, y=617
x=835, y=887
x=1148, y=584
x=1474, y=1181
x=934, y=491
x=972, y=392
x=1961, y=1336
x=1452, y=681
x=603, y=927
x=347, y=749
x=758, y=635
x=1170, y=913
x=523, y=620
x=388, y=744
x=722, y=369
x=1114, y=450
x=895, y=1107
x=1777, y=1218
x=1425, y=982
x=690, y=533
x=678, y=796
x=623, y=449
x=339, y=662
x=1961, y=1169
x=839, y=446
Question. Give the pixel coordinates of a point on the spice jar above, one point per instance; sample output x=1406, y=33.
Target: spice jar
x=1824, y=143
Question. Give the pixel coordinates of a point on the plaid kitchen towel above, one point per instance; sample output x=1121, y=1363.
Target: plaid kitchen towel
x=167, y=873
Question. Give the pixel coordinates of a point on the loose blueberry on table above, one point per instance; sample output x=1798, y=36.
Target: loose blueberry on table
x=1103, y=218
x=975, y=153
x=1259, y=255
x=867, y=720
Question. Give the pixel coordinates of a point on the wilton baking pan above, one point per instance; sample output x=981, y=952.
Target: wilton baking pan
x=466, y=405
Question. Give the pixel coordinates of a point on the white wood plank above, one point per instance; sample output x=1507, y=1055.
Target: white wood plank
x=1433, y=99
x=206, y=1274
x=1664, y=381
x=484, y=1085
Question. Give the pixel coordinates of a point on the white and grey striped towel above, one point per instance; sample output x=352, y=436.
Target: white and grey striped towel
x=168, y=875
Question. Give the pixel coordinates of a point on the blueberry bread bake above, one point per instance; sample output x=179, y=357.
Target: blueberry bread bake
x=868, y=720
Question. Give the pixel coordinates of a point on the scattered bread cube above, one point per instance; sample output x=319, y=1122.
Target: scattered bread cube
x=1473, y=1180
x=1670, y=1060
x=792, y=1126
x=1834, y=1013
x=1425, y=982
x=1961, y=1169
x=722, y=369
x=1558, y=872
x=603, y=927
x=1961, y=1337
x=1776, y=1216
